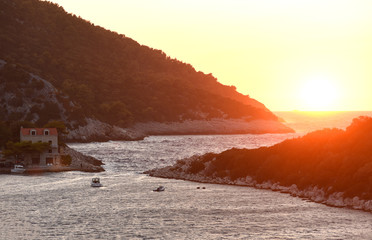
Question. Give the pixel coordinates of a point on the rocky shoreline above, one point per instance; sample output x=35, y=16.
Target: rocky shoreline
x=97, y=131
x=84, y=163
x=312, y=193
x=329, y=166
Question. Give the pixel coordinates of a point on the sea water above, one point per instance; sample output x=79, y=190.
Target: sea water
x=64, y=206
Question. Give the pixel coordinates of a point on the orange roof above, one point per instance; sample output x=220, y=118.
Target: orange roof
x=39, y=131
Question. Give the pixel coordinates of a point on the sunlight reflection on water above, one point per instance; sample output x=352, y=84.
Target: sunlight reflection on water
x=64, y=206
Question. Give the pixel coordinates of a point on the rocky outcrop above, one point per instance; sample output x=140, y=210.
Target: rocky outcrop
x=81, y=162
x=96, y=130
x=330, y=166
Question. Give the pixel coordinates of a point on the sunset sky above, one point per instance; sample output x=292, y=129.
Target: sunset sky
x=288, y=54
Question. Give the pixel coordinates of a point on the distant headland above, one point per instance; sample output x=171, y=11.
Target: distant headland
x=330, y=166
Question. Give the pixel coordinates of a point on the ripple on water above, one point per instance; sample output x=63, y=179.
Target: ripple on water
x=64, y=206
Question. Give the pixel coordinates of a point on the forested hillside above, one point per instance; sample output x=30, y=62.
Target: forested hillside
x=100, y=74
x=326, y=165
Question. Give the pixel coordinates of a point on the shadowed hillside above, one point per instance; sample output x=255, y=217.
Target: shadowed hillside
x=328, y=166
x=103, y=75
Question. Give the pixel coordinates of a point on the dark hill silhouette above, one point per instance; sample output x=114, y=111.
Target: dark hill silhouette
x=108, y=76
x=334, y=162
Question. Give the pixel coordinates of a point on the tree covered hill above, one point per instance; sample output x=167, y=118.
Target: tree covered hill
x=331, y=166
x=100, y=74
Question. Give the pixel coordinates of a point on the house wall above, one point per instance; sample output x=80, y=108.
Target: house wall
x=42, y=138
x=44, y=155
x=43, y=158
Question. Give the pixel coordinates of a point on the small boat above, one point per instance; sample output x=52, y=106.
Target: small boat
x=159, y=189
x=18, y=169
x=96, y=182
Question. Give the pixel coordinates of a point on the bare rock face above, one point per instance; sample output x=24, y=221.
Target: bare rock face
x=96, y=130
x=26, y=96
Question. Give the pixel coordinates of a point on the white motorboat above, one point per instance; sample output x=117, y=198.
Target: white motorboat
x=18, y=169
x=159, y=189
x=96, y=182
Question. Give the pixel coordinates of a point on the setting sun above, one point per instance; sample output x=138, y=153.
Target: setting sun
x=186, y=119
x=319, y=94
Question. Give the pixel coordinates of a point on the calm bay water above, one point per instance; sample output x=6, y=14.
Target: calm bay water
x=64, y=206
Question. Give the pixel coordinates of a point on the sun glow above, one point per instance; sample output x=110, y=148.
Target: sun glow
x=319, y=94
x=264, y=48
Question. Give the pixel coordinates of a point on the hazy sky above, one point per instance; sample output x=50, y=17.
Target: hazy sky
x=288, y=54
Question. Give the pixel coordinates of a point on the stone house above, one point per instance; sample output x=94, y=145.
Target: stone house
x=50, y=156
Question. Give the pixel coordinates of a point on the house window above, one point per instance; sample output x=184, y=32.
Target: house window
x=46, y=132
x=33, y=132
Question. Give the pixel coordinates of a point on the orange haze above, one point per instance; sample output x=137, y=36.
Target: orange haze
x=288, y=54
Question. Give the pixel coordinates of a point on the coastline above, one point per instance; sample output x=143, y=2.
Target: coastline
x=96, y=131
x=56, y=168
x=79, y=162
x=312, y=193
x=84, y=163
x=329, y=166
